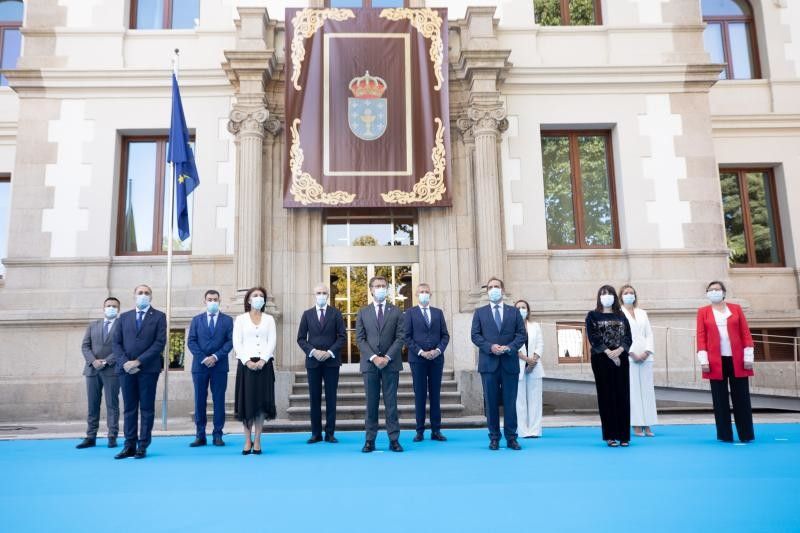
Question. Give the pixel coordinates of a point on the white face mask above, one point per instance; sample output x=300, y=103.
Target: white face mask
x=715, y=296
x=257, y=302
x=607, y=300
x=380, y=294
x=322, y=300
x=495, y=294
x=142, y=301
x=628, y=299
x=110, y=312
x=424, y=298
x=212, y=307
x=524, y=313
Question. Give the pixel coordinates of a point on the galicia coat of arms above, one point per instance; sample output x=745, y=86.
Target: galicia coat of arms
x=366, y=112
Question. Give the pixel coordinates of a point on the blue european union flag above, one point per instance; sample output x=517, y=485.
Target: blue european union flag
x=182, y=157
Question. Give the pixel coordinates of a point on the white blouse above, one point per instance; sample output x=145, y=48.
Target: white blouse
x=251, y=340
x=536, y=345
x=721, y=318
x=641, y=332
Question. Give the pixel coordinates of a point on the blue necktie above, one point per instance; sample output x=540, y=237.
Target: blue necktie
x=106, y=329
x=497, y=319
x=211, y=324
x=425, y=315
x=139, y=318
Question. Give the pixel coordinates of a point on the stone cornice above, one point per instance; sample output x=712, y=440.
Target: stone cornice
x=755, y=125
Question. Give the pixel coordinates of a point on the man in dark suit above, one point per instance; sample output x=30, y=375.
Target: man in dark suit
x=379, y=334
x=100, y=375
x=210, y=341
x=426, y=338
x=138, y=348
x=498, y=331
x=321, y=336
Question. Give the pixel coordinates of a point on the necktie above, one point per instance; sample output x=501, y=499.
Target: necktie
x=425, y=315
x=211, y=323
x=380, y=315
x=139, y=318
x=497, y=319
x=106, y=329
x=322, y=317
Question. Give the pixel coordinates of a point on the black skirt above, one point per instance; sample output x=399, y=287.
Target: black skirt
x=255, y=393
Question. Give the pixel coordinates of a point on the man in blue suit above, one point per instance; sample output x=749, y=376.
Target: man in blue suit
x=321, y=336
x=427, y=339
x=498, y=331
x=210, y=341
x=138, y=347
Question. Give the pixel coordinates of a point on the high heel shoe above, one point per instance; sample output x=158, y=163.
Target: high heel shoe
x=256, y=452
x=612, y=443
x=248, y=451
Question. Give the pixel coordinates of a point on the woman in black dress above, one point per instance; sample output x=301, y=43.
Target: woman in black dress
x=610, y=336
x=254, y=339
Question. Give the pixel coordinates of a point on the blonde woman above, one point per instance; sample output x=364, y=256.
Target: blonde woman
x=640, y=356
x=529, y=391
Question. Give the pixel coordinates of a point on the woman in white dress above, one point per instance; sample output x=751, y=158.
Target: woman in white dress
x=529, y=391
x=643, y=395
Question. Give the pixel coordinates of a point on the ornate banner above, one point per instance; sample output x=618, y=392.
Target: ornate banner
x=367, y=113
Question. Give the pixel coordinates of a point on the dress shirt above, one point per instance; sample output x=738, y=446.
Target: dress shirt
x=721, y=318
x=500, y=310
x=317, y=310
x=251, y=340
x=215, y=316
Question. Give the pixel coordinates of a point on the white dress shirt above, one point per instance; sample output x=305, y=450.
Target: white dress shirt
x=324, y=309
x=254, y=340
x=721, y=318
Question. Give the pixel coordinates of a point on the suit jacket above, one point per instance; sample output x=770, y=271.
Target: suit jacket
x=708, y=340
x=330, y=337
x=202, y=343
x=420, y=336
x=511, y=334
x=94, y=347
x=146, y=346
x=373, y=340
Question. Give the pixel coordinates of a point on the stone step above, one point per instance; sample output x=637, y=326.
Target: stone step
x=466, y=422
x=349, y=386
x=302, y=377
x=359, y=398
x=356, y=412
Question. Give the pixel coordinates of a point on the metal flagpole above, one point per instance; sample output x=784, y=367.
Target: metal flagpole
x=169, y=268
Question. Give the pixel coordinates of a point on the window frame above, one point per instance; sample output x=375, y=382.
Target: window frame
x=563, y=7
x=763, y=352
x=750, y=24
x=587, y=348
x=365, y=4
x=9, y=25
x=744, y=199
x=160, y=185
x=577, y=188
x=166, y=16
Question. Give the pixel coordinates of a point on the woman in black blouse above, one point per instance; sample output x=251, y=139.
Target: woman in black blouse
x=610, y=336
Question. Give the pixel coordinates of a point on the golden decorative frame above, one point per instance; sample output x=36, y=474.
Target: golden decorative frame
x=429, y=24
x=305, y=24
x=430, y=188
x=305, y=188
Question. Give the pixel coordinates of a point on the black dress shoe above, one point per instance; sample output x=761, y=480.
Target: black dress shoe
x=141, y=453
x=218, y=441
x=198, y=442
x=126, y=452
x=513, y=444
x=395, y=446
x=494, y=444
x=86, y=443
x=438, y=436
x=112, y=442
x=369, y=446
x=247, y=452
x=419, y=437
x=330, y=438
x=256, y=452
x=314, y=439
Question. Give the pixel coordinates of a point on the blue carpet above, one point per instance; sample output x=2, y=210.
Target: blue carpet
x=682, y=480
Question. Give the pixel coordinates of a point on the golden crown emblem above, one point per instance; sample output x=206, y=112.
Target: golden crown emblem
x=367, y=86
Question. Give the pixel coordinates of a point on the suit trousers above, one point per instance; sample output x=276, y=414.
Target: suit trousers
x=219, y=383
x=139, y=396
x=105, y=380
x=374, y=382
x=499, y=384
x=427, y=379
x=613, y=396
x=740, y=395
x=316, y=375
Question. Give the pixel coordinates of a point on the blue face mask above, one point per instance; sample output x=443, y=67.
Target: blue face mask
x=142, y=301
x=495, y=294
x=380, y=294
x=212, y=307
x=322, y=300
x=257, y=302
x=110, y=312
x=424, y=298
x=524, y=313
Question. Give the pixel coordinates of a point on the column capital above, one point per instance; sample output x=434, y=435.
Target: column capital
x=483, y=120
x=252, y=121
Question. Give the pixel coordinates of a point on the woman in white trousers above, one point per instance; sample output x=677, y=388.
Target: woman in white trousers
x=529, y=391
x=643, y=395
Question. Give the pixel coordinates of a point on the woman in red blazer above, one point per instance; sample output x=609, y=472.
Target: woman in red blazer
x=725, y=351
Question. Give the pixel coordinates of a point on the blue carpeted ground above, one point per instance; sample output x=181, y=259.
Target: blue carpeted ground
x=682, y=480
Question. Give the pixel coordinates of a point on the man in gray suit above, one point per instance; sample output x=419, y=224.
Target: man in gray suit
x=380, y=334
x=101, y=375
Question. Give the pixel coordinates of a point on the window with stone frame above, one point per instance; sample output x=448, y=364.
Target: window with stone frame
x=730, y=38
x=750, y=215
x=164, y=14
x=579, y=194
x=568, y=12
x=5, y=218
x=143, y=222
x=775, y=344
x=11, y=12
x=572, y=342
x=376, y=4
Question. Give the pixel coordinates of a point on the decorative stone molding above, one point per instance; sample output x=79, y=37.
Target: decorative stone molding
x=486, y=120
x=273, y=126
x=248, y=121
